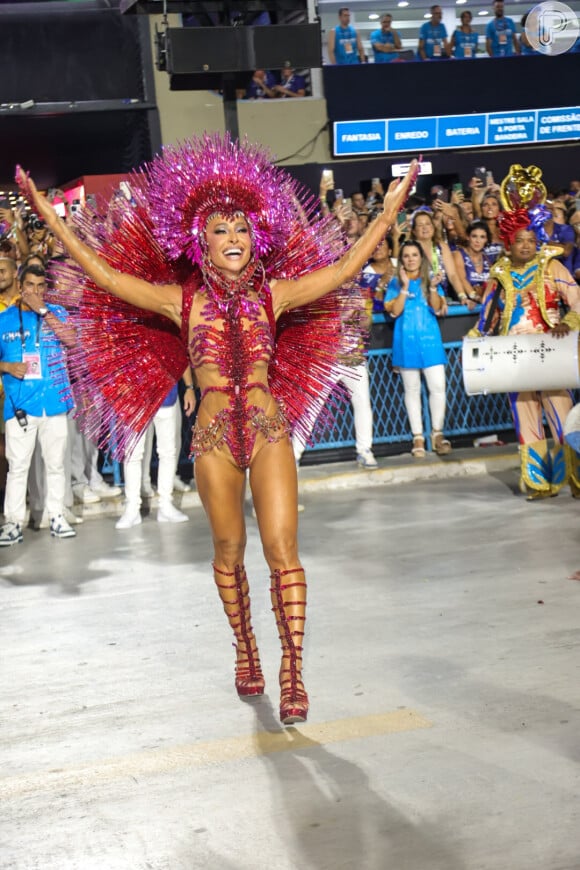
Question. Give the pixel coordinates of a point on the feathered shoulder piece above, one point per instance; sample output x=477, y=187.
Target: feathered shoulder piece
x=127, y=359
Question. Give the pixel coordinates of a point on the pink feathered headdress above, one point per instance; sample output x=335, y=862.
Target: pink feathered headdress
x=212, y=174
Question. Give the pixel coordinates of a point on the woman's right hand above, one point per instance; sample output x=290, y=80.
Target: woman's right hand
x=36, y=199
x=398, y=192
x=326, y=185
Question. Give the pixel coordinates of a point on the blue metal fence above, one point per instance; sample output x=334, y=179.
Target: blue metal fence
x=465, y=415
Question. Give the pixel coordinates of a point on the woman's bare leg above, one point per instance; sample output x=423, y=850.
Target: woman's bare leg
x=274, y=485
x=221, y=486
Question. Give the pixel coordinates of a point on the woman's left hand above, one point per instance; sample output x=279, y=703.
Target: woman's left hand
x=398, y=192
x=189, y=402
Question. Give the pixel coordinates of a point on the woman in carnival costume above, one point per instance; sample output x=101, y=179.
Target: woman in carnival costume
x=219, y=257
x=527, y=286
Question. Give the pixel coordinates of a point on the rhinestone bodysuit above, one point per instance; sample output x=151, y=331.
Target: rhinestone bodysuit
x=230, y=350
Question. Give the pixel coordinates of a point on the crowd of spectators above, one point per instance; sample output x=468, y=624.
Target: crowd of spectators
x=45, y=461
x=439, y=253
x=344, y=46
x=457, y=228
x=453, y=232
x=503, y=38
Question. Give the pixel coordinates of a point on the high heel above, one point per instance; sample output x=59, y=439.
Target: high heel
x=441, y=445
x=418, y=449
x=249, y=679
x=289, y=608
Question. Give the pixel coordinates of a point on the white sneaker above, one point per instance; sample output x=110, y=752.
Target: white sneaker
x=168, y=513
x=180, y=485
x=59, y=528
x=10, y=533
x=367, y=460
x=130, y=517
x=84, y=494
x=104, y=489
x=71, y=518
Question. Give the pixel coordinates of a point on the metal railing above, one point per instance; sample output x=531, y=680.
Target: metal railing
x=465, y=414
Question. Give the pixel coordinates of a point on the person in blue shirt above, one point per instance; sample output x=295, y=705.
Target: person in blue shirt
x=291, y=84
x=414, y=298
x=464, y=38
x=262, y=86
x=32, y=336
x=501, y=38
x=433, y=43
x=344, y=43
x=385, y=42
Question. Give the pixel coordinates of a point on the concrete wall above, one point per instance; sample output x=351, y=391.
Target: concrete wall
x=284, y=126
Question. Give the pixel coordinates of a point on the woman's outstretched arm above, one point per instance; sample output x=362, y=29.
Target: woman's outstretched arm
x=301, y=291
x=162, y=299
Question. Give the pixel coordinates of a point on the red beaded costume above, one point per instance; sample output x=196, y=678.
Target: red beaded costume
x=127, y=359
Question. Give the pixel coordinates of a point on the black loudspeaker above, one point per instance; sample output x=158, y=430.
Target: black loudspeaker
x=203, y=50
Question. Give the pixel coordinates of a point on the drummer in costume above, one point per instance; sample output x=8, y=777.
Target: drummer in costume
x=219, y=258
x=525, y=294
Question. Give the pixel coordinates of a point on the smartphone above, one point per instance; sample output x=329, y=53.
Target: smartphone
x=348, y=204
x=51, y=193
x=339, y=193
x=328, y=176
x=443, y=195
x=458, y=187
x=489, y=177
x=401, y=218
x=480, y=174
x=375, y=182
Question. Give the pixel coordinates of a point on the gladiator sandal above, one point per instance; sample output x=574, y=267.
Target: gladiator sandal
x=235, y=598
x=289, y=607
x=418, y=449
x=535, y=470
x=441, y=445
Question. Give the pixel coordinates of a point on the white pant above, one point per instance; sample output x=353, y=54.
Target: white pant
x=80, y=466
x=51, y=433
x=356, y=381
x=164, y=424
x=148, y=447
x=435, y=378
x=84, y=457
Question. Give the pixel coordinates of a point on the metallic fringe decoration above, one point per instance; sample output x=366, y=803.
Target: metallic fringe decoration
x=127, y=359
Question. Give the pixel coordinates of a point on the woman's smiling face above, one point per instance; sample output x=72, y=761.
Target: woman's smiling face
x=229, y=243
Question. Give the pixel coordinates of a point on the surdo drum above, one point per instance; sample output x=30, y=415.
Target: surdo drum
x=518, y=363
